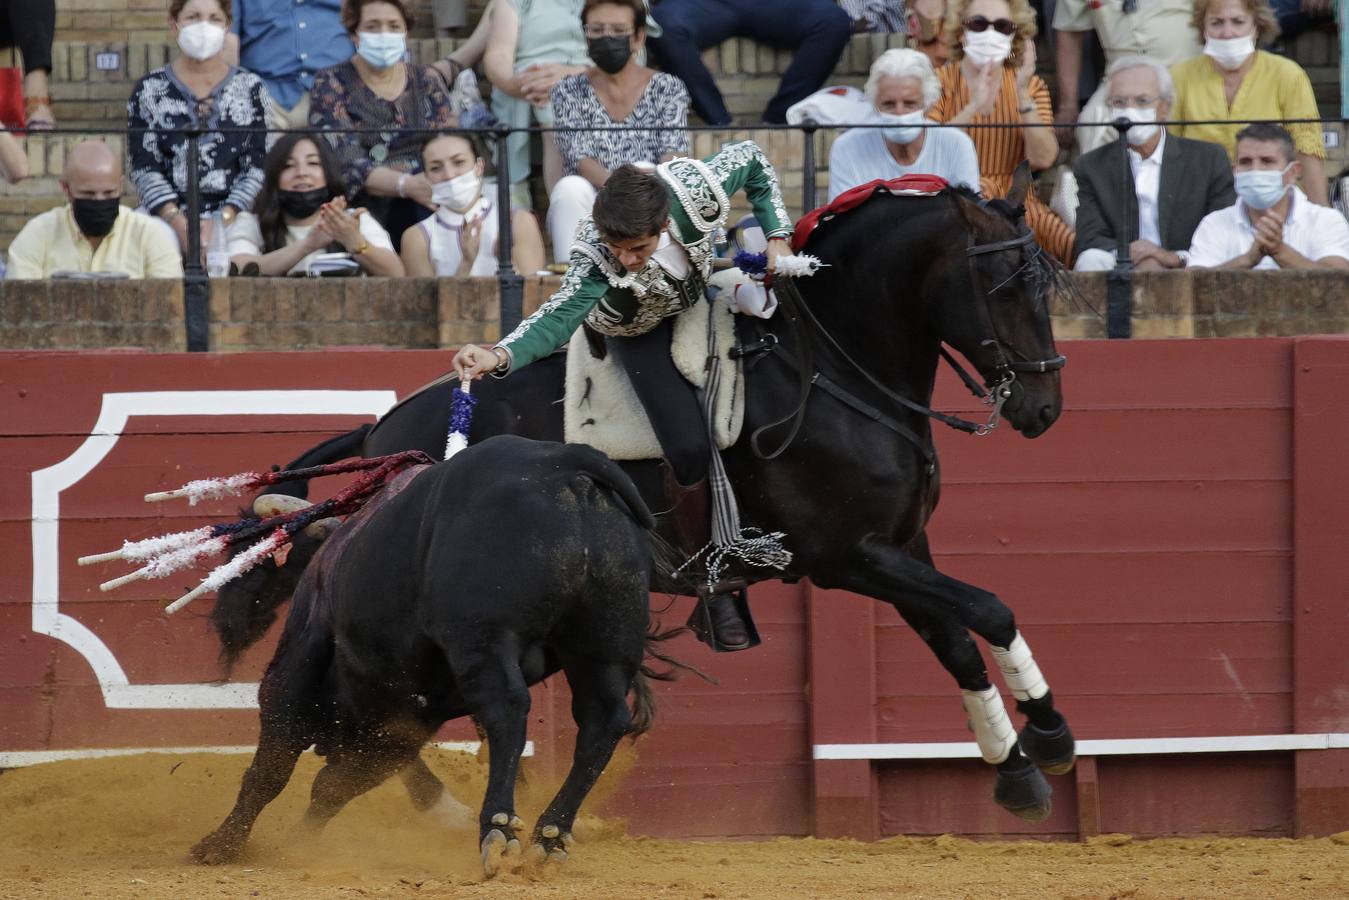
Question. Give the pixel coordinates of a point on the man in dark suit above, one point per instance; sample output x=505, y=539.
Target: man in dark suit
x=1156, y=199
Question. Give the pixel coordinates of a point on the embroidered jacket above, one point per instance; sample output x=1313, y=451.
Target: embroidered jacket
x=598, y=290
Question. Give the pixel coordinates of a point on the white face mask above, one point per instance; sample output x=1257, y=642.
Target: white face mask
x=1261, y=188
x=987, y=46
x=201, y=40
x=382, y=48
x=1145, y=126
x=1230, y=53
x=458, y=193
x=903, y=128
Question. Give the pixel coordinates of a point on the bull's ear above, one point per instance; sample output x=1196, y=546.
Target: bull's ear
x=1021, y=184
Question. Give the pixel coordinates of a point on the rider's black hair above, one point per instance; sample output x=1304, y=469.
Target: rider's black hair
x=632, y=204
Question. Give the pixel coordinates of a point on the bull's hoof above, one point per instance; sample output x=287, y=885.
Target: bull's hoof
x=549, y=845
x=1024, y=793
x=215, y=849
x=499, y=852
x=1054, y=752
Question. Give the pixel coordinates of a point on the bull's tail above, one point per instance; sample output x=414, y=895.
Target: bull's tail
x=335, y=449
x=643, y=697
x=605, y=472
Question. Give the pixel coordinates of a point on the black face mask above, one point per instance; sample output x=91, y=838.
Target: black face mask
x=95, y=218
x=303, y=204
x=611, y=54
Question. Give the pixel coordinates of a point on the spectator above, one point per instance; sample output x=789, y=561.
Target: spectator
x=1158, y=29
x=616, y=91
x=993, y=80
x=302, y=212
x=377, y=89
x=29, y=26
x=13, y=159
x=534, y=44
x=200, y=89
x=93, y=232
x=1234, y=80
x=901, y=86
x=817, y=29
x=461, y=239
x=284, y=43
x=1272, y=225
x=927, y=30
x=1176, y=182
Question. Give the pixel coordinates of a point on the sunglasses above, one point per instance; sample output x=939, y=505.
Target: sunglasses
x=980, y=23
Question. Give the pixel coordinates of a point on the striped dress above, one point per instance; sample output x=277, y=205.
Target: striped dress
x=1000, y=150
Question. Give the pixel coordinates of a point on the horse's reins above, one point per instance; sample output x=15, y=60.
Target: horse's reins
x=1005, y=370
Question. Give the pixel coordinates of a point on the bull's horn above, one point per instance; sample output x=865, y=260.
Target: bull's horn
x=269, y=505
x=323, y=527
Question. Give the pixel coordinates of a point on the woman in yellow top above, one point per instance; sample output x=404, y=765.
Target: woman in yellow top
x=1234, y=80
x=991, y=78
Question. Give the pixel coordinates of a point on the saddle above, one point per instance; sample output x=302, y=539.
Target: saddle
x=601, y=408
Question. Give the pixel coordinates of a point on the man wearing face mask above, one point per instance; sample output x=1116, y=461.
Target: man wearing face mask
x=1174, y=182
x=93, y=232
x=901, y=87
x=1272, y=225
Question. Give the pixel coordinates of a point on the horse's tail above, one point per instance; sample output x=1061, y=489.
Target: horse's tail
x=643, y=698
x=332, y=450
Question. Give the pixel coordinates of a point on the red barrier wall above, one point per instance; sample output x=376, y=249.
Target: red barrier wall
x=1172, y=549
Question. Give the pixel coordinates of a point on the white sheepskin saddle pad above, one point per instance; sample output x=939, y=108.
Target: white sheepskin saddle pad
x=602, y=409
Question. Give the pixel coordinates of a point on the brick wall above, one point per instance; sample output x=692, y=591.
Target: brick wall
x=413, y=313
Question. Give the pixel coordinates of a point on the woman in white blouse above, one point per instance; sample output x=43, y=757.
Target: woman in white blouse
x=301, y=212
x=461, y=239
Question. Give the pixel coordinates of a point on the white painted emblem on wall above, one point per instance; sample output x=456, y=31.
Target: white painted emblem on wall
x=48, y=483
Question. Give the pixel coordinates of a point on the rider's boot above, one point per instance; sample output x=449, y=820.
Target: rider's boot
x=716, y=618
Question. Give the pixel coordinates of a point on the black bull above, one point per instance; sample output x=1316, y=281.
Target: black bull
x=856, y=487
x=450, y=595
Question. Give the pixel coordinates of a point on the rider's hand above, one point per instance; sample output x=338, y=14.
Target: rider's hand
x=473, y=362
x=777, y=247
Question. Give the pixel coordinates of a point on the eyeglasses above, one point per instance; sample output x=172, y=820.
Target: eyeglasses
x=599, y=31
x=1142, y=101
x=980, y=23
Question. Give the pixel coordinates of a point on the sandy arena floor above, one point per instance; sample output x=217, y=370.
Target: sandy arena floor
x=120, y=828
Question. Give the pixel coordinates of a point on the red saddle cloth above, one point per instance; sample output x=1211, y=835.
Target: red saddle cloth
x=905, y=185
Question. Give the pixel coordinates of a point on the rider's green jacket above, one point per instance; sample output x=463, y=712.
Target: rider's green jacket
x=598, y=290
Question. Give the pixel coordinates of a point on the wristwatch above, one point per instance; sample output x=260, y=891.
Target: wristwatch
x=365, y=245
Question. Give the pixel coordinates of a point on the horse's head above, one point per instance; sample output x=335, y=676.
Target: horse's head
x=1000, y=323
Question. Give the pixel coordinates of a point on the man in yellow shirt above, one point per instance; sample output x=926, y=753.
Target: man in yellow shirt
x=94, y=232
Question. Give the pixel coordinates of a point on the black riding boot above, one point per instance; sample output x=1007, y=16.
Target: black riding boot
x=716, y=618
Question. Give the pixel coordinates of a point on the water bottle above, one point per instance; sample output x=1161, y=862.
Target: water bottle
x=218, y=249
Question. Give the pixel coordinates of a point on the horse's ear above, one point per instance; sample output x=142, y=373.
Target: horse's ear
x=974, y=215
x=1021, y=184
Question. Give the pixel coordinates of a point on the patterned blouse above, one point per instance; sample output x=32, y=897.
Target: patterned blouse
x=229, y=167
x=340, y=100
x=576, y=105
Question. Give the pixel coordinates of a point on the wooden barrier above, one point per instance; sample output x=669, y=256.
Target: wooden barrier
x=1173, y=549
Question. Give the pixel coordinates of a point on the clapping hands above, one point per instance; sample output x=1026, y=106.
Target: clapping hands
x=336, y=223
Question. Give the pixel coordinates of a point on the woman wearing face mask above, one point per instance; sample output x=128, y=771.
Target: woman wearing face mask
x=901, y=87
x=199, y=89
x=378, y=89
x=461, y=238
x=302, y=211
x=1234, y=80
x=992, y=79
x=616, y=91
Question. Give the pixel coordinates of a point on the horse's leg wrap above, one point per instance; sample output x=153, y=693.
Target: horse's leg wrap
x=1020, y=671
x=988, y=720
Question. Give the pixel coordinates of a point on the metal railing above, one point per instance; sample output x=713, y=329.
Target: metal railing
x=196, y=289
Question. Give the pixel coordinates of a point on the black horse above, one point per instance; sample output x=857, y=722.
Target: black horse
x=840, y=454
x=449, y=595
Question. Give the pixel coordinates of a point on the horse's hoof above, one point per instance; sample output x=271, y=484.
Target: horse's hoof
x=1024, y=793
x=214, y=850
x=494, y=848
x=1053, y=752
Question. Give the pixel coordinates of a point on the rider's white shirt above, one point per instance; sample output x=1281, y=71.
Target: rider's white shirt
x=671, y=256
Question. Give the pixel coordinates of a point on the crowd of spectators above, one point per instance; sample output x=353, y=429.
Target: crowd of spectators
x=324, y=149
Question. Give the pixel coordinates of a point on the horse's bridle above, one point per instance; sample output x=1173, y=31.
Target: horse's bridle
x=1000, y=386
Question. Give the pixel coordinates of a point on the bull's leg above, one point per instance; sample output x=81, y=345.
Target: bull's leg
x=430, y=795
x=1046, y=739
x=599, y=705
x=487, y=671
x=353, y=770
x=279, y=746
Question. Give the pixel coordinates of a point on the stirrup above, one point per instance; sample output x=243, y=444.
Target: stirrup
x=700, y=621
